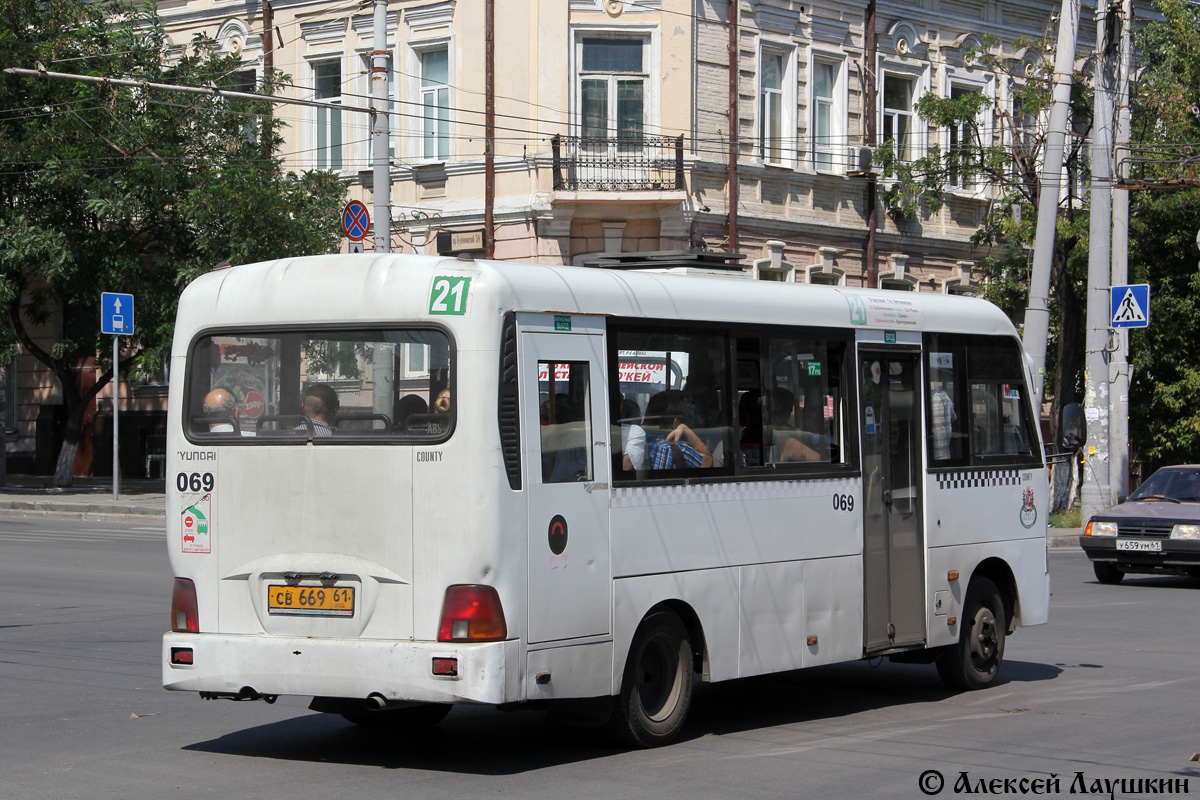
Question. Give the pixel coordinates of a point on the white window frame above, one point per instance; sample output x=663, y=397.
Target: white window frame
x=787, y=150
x=984, y=84
x=920, y=81
x=648, y=34
x=416, y=94
x=1012, y=135
x=838, y=114
x=313, y=116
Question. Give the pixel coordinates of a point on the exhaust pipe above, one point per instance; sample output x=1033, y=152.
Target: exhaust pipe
x=246, y=693
x=376, y=702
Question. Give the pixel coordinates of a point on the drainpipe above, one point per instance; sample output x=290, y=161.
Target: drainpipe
x=733, y=125
x=870, y=264
x=268, y=36
x=489, y=136
x=268, y=43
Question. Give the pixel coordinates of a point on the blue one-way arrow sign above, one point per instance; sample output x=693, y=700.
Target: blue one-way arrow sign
x=116, y=314
x=1129, y=306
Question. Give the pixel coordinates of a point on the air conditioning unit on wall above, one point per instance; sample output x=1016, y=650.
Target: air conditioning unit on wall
x=858, y=160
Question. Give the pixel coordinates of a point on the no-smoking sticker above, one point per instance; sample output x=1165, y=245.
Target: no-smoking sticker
x=557, y=534
x=195, y=524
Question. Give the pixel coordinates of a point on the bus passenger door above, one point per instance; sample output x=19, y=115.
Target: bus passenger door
x=563, y=389
x=893, y=544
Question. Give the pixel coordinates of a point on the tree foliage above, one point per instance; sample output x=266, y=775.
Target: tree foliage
x=996, y=153
x=108, y=188
x=1165, y=386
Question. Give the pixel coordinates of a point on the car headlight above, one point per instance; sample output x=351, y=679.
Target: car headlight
x=1185, y=532
x=1095, y=528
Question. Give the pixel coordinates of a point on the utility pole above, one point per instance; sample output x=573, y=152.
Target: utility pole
x=1118, y=368
x=1096, y=493
x=734, y=49
x=381, y=173
x=1037, y=312
x=871, y=262
x=489, y=133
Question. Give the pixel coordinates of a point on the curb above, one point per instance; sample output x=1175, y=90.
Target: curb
x=93, y=516
x=80, y=510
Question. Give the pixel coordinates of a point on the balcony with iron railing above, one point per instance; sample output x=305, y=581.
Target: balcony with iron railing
x=622, y=164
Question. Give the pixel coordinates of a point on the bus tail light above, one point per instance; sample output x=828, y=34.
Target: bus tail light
x=185, y=618
x=472, y=613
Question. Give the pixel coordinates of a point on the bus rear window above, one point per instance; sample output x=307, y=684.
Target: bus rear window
x=324, y=386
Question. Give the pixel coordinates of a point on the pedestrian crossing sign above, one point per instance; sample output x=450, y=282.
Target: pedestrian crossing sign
x=1130, y=306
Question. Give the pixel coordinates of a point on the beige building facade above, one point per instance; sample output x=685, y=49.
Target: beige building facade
x=613, y=120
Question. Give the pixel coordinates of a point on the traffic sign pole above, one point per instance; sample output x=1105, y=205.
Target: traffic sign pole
x=116, y=318
x=116, y=403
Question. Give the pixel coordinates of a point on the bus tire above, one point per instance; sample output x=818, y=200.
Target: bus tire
x=1107, y=572
x=974, y=661
x=656, y=691
x=413, y=718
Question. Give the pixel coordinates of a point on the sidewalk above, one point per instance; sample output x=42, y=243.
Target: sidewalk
x=1062, y=538
x=88, y=498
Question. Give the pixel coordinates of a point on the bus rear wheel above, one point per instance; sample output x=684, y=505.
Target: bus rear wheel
x=656, y=691
x=975, y=659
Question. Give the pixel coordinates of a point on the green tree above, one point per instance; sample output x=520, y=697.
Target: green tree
x=1165, y=386
x=130, y=190
x=1005, y=157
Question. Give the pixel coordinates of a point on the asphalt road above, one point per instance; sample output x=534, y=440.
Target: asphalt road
x=1108, y=689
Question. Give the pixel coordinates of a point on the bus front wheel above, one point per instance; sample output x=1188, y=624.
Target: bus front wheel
x=656, y=691
x=975, y=659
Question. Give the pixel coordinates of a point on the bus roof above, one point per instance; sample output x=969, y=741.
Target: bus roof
x=359, y=289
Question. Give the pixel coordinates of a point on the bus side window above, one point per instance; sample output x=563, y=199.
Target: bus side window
x=566, y=423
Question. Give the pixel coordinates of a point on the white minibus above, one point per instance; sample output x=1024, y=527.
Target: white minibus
x=397, y=483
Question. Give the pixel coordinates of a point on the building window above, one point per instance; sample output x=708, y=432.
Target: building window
x=824, y=122
x=435, y=103
x=770, y=106
x=244, y=80
x=898, y=122
x=1025, y=139
x=327, y=88
x=612, y=90
x=964, y=143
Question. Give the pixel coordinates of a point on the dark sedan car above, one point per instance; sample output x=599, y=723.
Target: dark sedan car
x=1156, y=530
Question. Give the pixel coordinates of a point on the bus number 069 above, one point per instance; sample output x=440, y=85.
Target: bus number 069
x=843, y=502
x=194, y=482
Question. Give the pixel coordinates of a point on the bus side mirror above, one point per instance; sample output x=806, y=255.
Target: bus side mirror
x=1072, y=427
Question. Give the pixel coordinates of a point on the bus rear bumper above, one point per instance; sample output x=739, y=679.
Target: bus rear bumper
x=400, y=671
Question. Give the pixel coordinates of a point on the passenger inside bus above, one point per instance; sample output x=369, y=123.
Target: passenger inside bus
x=220, y=409
x=786, y=437
x=320, y=406
x=670, y=442
x=633, y=436
x=750, y=425
x=943, y=417
x=441, y=403
x=407, y=406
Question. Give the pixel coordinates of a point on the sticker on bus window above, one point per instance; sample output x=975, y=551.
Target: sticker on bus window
x=449, y=295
